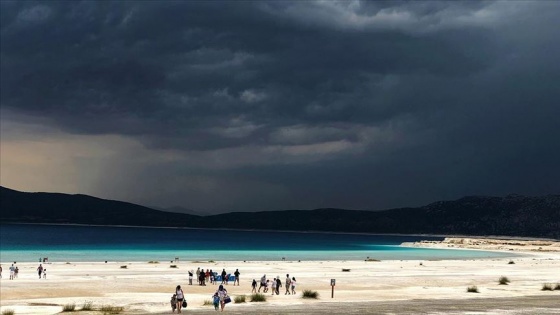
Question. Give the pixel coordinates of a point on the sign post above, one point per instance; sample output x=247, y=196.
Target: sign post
x=333, y=282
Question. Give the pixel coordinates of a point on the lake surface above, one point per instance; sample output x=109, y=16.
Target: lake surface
x=69, y=243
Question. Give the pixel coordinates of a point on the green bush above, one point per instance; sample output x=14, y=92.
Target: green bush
x=557, y=287
x=511, y=262
x=308, y=294
x=110, y=309
x=88, y=306
x=503, y=280
x=239, y=299
x=547, y=287
x=124, y=267
x=69, y=307
x=257, y=297
x=8, y=312
x=173, y=266
x=472, y=289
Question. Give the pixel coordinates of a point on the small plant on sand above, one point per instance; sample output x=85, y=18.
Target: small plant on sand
x=547, y=287
x=124, y=267
x=69, y=307
x=557, y=287
x=88, y=306
x=153, y=262
x=211, y=261
x=308, y=294
x=110, y=309
x=511, y=262
x=503, y=280
x=372, y=259
x=472, y=289
x=257, y=297
x=173, y=266
x=8, y=312
x=207, y=303
x=239, y=299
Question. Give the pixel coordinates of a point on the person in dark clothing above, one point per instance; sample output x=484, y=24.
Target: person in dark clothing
x=224, y=273
x=278, y=285
x=254, y=286
x=236, y=273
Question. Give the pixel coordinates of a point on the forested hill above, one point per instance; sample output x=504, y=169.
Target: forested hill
x=513, y=215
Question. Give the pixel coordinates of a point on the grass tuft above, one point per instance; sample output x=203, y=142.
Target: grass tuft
x=239, y=299
x=88, y=306
x=557, y=287
x=207, y=303
x=110, y=309
x=153, y=262
x=257, y=297
x=8, y=312
x=547, y=287
x=124, y=267
x=472, y=289
x=308, y=294
x=69, y=307
x=173, y=266
x=511, y=262
x=503, y=280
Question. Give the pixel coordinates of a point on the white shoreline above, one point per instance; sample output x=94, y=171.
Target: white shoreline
x=144, y=288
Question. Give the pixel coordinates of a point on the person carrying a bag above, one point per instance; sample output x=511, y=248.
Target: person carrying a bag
x=224, y=298
x=181, y=302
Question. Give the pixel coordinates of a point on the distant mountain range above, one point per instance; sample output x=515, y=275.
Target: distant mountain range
x=513, y=215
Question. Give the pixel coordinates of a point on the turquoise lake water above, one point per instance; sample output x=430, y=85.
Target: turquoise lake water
x=62, y=243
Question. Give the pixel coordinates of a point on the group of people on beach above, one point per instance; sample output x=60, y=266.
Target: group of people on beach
x=275, y=284
x=14, y=271
x=219, y=299
x=209, y=275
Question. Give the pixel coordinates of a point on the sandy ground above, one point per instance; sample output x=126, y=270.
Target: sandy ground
x=372, y=287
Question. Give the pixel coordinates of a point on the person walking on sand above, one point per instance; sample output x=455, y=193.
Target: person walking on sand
x=254, y=286
x=263, y=283
x=173, y=303
x=12, y=271
x=216, y=300
x=16, y=272
x=0, y=271
x=222, y=293
x=273, y=286
x=224, y=274
x=288, y=284
x=236, y=273
x=45, y=273
x=40, y=270
x=278, y=285
x=293, y=285
x=180, y=298
x=190, y=277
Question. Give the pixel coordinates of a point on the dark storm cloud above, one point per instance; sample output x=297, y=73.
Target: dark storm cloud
x=457, y=94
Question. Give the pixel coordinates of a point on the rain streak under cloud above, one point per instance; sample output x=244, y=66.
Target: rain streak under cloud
x=247, y=106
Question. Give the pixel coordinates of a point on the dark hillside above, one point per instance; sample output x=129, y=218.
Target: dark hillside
x=513, y=215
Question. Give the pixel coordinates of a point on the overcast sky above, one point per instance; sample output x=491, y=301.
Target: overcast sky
x=247, y=106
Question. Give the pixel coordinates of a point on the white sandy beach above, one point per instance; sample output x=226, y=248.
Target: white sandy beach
x=384, y=287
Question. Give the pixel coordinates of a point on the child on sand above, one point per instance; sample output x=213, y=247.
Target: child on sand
x=254, y=286
x=216, y=300
x=173, y=303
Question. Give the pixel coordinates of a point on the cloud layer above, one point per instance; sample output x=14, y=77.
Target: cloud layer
x=223, y=106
